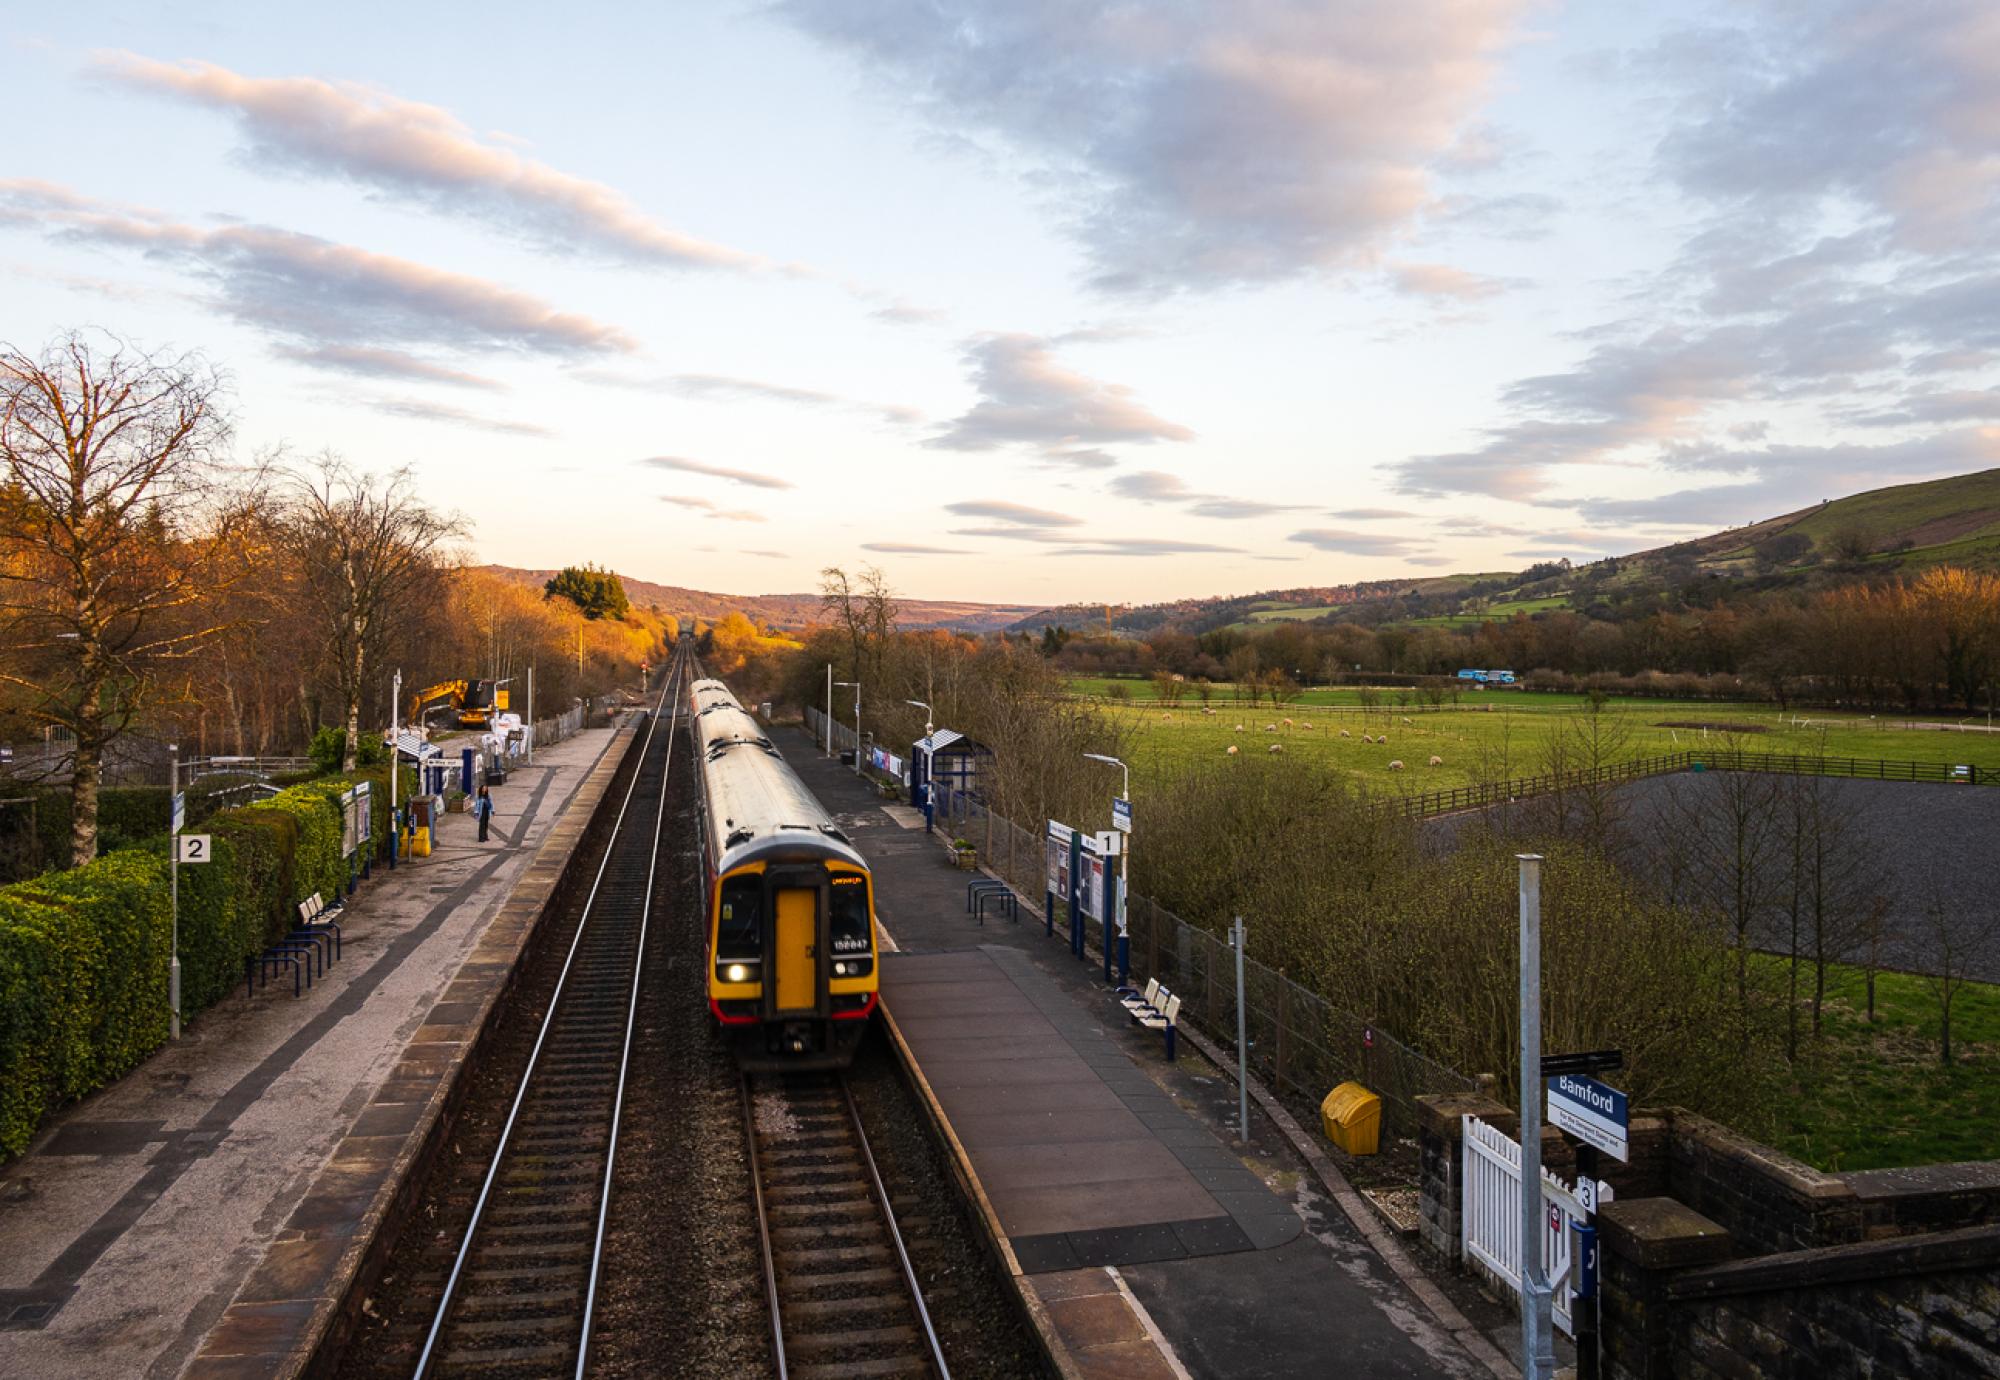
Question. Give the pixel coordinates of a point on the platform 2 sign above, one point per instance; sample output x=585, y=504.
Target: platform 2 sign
x=1592, y=1112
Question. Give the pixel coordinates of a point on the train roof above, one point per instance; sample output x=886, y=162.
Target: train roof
x=757, y=808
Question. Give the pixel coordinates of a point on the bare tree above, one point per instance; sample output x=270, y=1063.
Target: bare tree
x=1961, y=939
x=364, y=547
x=113, y=470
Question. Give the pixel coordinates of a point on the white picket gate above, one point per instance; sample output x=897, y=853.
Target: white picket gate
x=1490, y=1216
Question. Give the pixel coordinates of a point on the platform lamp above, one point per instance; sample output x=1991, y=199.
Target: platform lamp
x=1124, y=864
x=930, y=757
x=857, y=720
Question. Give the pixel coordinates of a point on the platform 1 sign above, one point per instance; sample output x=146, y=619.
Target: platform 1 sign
x=1592, y=1112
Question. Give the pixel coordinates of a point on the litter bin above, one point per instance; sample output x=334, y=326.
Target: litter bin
x=1352, y=1117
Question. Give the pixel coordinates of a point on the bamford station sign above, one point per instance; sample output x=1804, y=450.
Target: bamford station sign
x=1592, y=1112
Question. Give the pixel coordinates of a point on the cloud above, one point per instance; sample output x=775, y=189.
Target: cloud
x=1791, y=477
x=1429, y=562
x=1369, y=514
x=1964, y=405
x=374, y=362
x=726, y=387
x=998, y=510
x=422, y=410
x=1335, y=540
x=1154, y=486
x=770, y=555
x=1836, y=165
x=410, y=151
x=1442, y=280
x=1146, y=546
x=303, y=288
x=1200, y=145
x=1151, y=486
x=686, y=466
x=712, y=510
x=904, y=548
x=1028, y=399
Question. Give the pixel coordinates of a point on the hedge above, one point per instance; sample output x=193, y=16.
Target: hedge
x=126, y=815
x=84, y=952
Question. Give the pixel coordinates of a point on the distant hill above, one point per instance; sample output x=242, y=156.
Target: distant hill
x=786, y=611
x=1905, y=527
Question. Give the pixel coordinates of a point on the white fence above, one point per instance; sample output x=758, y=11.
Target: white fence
x=1491, y=1217
x=880, y=759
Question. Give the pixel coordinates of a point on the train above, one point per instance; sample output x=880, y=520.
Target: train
x=791, y=946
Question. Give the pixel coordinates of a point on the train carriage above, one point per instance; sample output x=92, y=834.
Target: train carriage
x=791, y=930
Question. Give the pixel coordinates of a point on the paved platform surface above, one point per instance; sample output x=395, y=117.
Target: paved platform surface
x=1148, y=1238
x=129, y=1225
x=1086, y=1159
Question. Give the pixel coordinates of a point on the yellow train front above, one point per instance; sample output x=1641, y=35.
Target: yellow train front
x=791, y=907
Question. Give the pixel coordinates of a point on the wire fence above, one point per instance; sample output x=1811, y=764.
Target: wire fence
x=1487, y=793
x=1298, y=1042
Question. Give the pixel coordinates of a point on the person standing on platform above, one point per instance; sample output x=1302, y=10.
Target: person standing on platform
x=482, y=809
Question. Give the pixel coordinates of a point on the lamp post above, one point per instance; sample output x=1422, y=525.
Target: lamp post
x=927, y=714
x=1124, y=863
x=395, y=760
x=857, y=721
x=829, y=709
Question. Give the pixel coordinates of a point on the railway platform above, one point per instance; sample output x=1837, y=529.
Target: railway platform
x=1146, y=1239
x=192, y=1217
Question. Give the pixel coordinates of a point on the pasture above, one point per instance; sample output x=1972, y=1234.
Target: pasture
x=1496, y=734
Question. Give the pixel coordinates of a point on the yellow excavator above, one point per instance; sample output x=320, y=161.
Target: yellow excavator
x=472, y=703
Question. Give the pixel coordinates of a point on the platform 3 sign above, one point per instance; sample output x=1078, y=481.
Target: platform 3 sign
x=1592, y=1112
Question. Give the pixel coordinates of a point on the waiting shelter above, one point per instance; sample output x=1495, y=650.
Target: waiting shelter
x=945, y=762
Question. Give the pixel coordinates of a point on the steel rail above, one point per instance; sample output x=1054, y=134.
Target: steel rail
x=625, y=1054
x=763, y=1228
x=888, y=1219
x=895, y=1234
x=431, y=1339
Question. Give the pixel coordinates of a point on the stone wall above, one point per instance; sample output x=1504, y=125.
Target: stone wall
x=1724, y=1258
x=1768, y=1200
x=1921, y=1307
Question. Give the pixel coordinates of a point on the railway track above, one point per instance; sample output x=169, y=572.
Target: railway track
x=521, y=1294
x=843, y=1295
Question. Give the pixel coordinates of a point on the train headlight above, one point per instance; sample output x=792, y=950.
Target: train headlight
x=840, y=970
x=736, y=972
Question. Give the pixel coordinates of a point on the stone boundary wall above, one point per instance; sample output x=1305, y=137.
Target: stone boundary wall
x=1724, y=1258
x=1916, y=1306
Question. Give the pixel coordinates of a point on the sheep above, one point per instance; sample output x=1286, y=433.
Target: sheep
x=1436, y=760
x=1166, y=718
x=1407, y=719
x=1232, y=750
x=1306, y=727
x=1270, y=728
x=1396, y=766
x=1210, y=711
x=1345, y=734
x=1287, y=722
x=1239, y=728
x=1276, y=747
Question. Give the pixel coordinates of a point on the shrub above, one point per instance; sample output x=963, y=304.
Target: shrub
x=329, y=745
x=84, y=953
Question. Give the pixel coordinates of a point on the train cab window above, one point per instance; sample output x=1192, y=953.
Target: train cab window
x=848, y=925
x=739, y=931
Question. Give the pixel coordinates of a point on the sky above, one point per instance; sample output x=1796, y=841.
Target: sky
x=1042, y=300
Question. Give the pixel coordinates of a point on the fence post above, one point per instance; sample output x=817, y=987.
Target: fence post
x=1284, y=1010
x=1242, y=1043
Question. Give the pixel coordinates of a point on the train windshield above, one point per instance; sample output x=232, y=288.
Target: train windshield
x=849, y=920
x=739, y=926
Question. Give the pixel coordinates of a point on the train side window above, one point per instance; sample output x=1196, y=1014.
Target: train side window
x=848, y=923
x=739, y=931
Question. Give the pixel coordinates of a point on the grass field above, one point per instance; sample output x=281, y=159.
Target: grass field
x=1483, y=726
x=1870, y=1098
